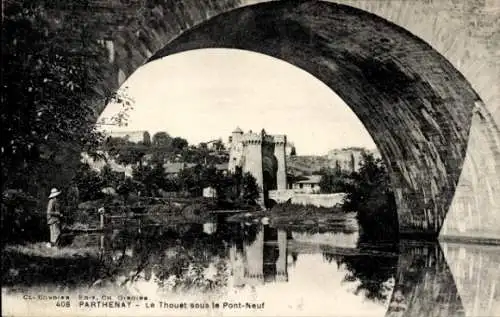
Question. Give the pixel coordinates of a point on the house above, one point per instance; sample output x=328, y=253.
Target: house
x=131, y=136
x=308, y=185
x=222, y=167
x=173, y=169
x=348, y=159
x=209, y=192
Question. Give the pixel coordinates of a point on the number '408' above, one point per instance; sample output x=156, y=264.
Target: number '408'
x=63, y=304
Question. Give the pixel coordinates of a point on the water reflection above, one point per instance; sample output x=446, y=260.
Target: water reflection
x=313, y=272
x=424, y=285
x=263, y=260
x=372, y=271
x=408, y=280
x=476, y=271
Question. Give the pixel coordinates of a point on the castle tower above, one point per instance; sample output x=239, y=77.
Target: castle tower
x=238, y=266
x=236, y=150
x=252, y=162
x=254, y=260
x=261, y=155
x=280, y=154
x=281, y=263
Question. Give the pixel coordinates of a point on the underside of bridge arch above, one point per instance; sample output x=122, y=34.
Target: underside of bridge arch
x=414, y=103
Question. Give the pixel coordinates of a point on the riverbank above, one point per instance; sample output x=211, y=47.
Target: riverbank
x=294, y=215
x=201, y=210
x=36, y=264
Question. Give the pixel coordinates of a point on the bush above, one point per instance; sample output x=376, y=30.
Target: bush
x=304, y=211
x=21, y=221
x=249, y=190
x=332, y=180
x=89, y=183
x=369, y=194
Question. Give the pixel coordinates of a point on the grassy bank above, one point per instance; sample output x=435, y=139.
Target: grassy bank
x=35, y=264
x=286, y=214
x=165, y=211
x=294, y=212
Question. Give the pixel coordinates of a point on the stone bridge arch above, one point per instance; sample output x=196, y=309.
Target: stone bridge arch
x=365, y=55
x=415, y=104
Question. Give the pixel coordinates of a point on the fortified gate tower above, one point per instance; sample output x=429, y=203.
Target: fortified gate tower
x=261, y=155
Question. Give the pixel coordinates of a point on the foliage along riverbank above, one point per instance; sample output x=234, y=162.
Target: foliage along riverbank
x=368, y=195
x=301, y=216
x=201, y=210
x=35, y=264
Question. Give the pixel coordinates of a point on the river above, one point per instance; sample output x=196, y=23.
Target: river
x=255, y=269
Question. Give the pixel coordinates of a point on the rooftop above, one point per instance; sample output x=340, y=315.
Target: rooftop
x=313, y=179
x=173, y=168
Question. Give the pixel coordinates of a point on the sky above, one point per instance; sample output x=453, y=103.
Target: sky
x=202, y=95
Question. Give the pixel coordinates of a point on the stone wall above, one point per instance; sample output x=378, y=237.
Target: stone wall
x=319, y=200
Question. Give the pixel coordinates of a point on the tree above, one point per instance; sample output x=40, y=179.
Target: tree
x=227, y=188
x=125, y=187
x=140, y=175
x=146, y=139
x=121, y=98
x=370, y=277
x=190, y=180
x=219, y=145
x=152, y=177
x=164, y=147
x=293, y=151
x=162, y=139
x=111, y=178
x=89, y=183
x=249, y=189
x=210, y=177
x=20, y=219
x=179, y=144
x=332, y=180
x=156, y=178
x=124, y=151
x=369, y=193
x=44, y=122
x=238, y=179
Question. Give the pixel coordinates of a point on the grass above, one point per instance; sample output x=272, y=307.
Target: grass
x=40, y=249
x=36, y=264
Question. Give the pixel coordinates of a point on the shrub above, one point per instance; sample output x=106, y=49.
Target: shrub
x=249, y=190
x=21, y=221
x=369, y=194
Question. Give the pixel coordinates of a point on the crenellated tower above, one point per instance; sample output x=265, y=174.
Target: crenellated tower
x=261, y=155
x=235, y=150
x=252, y=161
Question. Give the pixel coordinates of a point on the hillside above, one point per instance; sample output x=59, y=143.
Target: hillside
x=306, y=165
x=347, y=159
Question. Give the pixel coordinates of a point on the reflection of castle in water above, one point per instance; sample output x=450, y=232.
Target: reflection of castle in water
x=424, y=279
x=262, y=260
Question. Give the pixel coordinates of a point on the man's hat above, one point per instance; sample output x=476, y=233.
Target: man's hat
x=54, y=192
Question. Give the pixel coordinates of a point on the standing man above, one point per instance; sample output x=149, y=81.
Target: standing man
x=54, y=217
